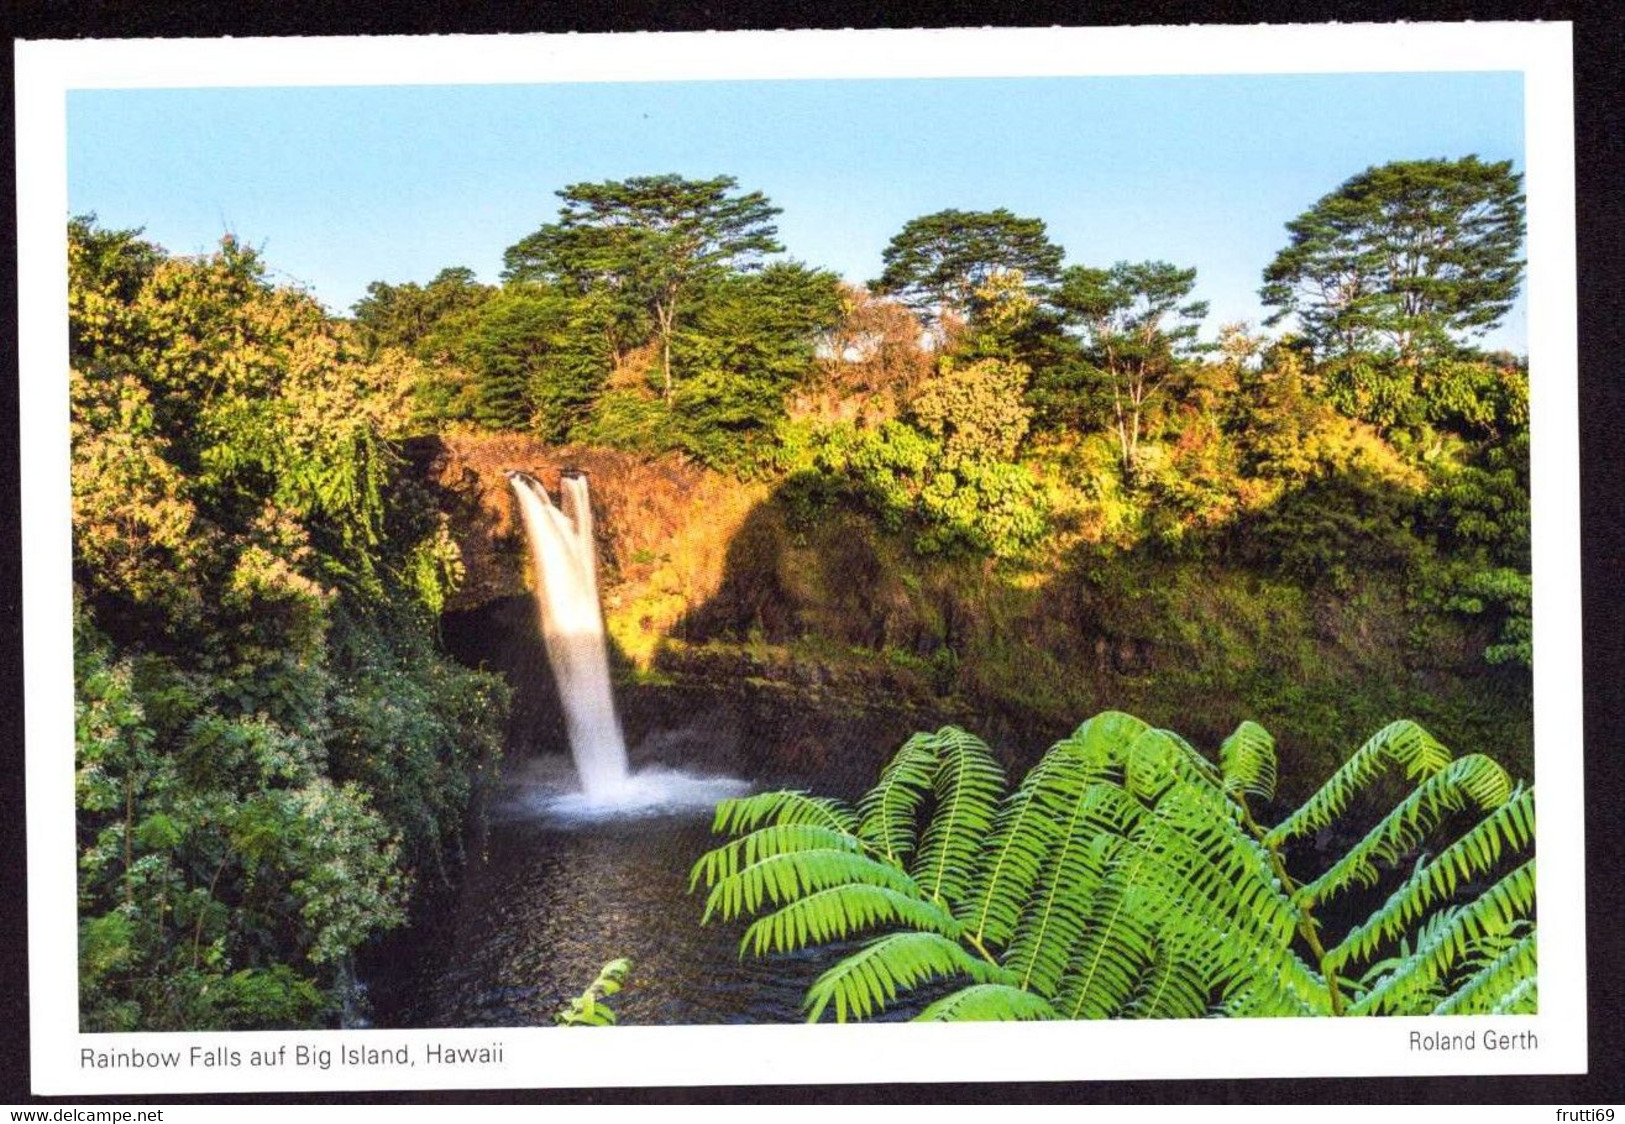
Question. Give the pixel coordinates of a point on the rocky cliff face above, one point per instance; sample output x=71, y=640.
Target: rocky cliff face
x=648, y=512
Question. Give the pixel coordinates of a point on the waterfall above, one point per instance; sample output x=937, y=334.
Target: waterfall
x=564, y=562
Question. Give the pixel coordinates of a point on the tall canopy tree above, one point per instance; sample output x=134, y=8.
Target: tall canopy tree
x=1406, y=255
x=649, y=243
x=936, y=263
x=1138, y=322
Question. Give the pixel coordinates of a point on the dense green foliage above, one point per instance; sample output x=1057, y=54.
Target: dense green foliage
x=647, y=244
x=646, y=318
x=1046, y=464
x=1139, y=321
x=1128, y=876
x=270, y=749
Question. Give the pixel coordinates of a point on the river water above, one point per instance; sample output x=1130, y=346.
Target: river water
x=552, y=894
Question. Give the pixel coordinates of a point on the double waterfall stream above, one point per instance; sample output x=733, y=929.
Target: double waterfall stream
x=585, y=859
x=564, y=568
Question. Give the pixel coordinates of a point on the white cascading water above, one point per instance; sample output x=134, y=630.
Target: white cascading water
x=564, y=560
x=565, y=568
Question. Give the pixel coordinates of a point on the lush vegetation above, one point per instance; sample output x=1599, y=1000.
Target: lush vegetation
x=981, y=399
x=1129, y=876
x=1008, y=449
x=271, y=750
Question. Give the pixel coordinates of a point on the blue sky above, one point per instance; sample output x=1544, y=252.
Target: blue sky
x=341, y=186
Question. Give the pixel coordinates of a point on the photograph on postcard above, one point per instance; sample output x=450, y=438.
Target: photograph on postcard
x=1026, y=547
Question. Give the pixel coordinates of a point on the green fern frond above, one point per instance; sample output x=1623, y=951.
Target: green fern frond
x=744, y=813
x=1189, y=882
x=1509, y=827
x=1173, y=986
x=1247, y=760
x=1403, y=743
x=838, y=912
x=1157, y=759
x=1097, y=817
x=588, y=1008
x=968, y=787
x=1053, y=862
x=1296, y=990
x=1474, y=778
x=789, y=875
x=775, y=839
x=1450, y=938
x=1523, y=999
x=1106, y=736
x=1032, y=823
x=1124, y=877
x=869, y=979
x=1217, y=869
x=1115, y=947
x=988, y=1003
x=886, y=813
x=1496, y=982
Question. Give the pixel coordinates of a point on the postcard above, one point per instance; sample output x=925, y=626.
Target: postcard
x=800, y=557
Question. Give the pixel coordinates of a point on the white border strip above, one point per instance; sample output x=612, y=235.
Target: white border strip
x=543, y=1057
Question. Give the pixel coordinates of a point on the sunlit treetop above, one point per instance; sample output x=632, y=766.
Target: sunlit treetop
x=1408, y=257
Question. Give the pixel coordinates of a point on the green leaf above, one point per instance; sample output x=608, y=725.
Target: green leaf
x=1247, y=758
x=866, y=981
x=839, y=912
x=967, y=787
x=1401, y=743
x=988, y=1002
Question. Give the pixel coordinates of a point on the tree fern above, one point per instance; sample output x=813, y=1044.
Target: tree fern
x=887, y=812
x=988, y=1003
x=1448, y=939
x=968, y=785
x=1247, y=760
x=870, y=978
x=1502, y=982
x=1126, y=876
x=1403, y=743
x=1043, y=812
x=1510, y=827
x=788, y=875
x=838, y=912
x=775, y=839
x=1474, y=778
x=746, y=812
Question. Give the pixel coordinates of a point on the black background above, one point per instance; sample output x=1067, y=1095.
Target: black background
x=1599, y=58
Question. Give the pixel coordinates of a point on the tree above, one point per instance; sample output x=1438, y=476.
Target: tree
x=936, y=263
x=536, y=369
x=269, y=748
x=1139, y=324
x=1127, y=876
x=411, y=316
x=752, y=340
x=1406, y=255
x=648, y=242
x=976, y=410
x=870, y=360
